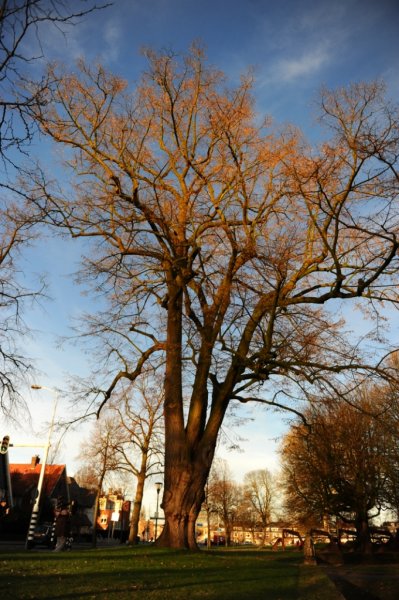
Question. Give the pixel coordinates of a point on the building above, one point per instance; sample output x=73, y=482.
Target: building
x=82, y=507
x=113, y=518
x=24, y=481
x=275, y=533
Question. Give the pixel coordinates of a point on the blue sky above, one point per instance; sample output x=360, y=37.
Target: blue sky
x=294, y=47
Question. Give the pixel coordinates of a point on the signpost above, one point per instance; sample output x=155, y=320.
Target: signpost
x=114, y=519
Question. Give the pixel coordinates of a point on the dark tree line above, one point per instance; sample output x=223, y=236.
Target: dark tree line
x=344, y=463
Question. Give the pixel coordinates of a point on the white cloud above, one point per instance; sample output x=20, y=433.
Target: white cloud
x=307, y=65
x=112, y=37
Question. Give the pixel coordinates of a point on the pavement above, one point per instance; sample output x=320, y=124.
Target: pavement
x=357, y=582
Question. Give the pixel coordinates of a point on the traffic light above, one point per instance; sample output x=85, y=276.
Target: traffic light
x=6, y=501
x=4, y=444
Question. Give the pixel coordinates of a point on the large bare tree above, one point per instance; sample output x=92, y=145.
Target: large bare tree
x=221, y=244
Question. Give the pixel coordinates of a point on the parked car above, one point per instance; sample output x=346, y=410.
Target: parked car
x=43, y=534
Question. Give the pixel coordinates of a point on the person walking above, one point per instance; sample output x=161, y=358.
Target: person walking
x=62, y=526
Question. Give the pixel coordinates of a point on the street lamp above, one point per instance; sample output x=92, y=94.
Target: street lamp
x=35, y=509
x=158, y=486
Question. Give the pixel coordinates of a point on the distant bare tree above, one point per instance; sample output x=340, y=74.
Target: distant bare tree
x=260, y=490
x=87, y=477
x=209, y=509
x=139, y=450
x=225, y=494
x=98, y=459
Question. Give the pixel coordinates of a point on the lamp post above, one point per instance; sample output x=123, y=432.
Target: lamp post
x=158, y=486
x=35, y=509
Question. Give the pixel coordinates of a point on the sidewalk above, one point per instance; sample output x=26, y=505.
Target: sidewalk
x=365, y=582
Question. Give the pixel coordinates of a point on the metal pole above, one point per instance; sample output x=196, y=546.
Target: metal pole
x=36, y=505
x=158, y=487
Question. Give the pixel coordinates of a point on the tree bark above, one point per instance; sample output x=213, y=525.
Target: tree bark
x=181, y=504
x=188, y=456
x=363, y=541
x=208, y=528
x=308, y=550
x=98, y=494
x=138, y=501
x=187, y=466
x=141, y=477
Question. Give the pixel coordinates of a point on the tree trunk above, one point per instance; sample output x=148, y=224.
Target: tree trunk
x=95, y=515
x=264, y=533
x=185, y=479
x=363, y=539
x=308, y=550
x=137, y=504
x=208, y=527
x=95, y=509
x=189, y=451
x=141, y=477
x=228, y=528
x=181, y=504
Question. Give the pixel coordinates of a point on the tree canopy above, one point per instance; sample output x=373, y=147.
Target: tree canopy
x=343, y=463
x=220, y=242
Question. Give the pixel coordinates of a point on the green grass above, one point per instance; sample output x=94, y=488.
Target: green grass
x=156, y=574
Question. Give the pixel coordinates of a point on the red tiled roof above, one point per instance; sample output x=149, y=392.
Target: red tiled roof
x=24, y=477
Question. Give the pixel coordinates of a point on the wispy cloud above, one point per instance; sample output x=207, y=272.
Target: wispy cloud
x=76, y=41
x=287, y=70
x=112, y=37
x=309, y=63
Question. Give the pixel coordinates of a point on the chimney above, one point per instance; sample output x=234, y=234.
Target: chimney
x=35, y=461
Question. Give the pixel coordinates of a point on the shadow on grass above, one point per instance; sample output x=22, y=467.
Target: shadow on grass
x=160, y=574
x=352, y=591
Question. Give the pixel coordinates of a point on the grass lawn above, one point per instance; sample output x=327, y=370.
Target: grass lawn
x=145, y=572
